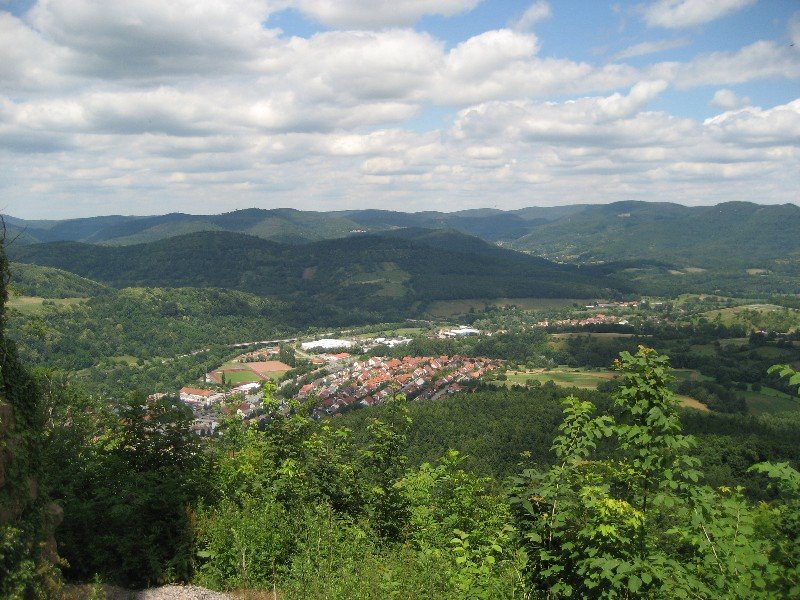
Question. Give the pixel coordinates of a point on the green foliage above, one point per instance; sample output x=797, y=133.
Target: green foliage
x=443, y=498
x=385, y=461
x=375, y=505
x=243, y=542
x=706, y=236
x=126, y=479
x=26, y=570
x=339, y=559
x=301, y=508
x=639, y=523
x=780, y=522
x=145, y=323
x=787, y=372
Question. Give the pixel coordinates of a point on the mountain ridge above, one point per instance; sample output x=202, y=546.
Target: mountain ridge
x=685, y=236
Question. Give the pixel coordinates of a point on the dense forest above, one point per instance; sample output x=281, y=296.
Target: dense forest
x=356, y=280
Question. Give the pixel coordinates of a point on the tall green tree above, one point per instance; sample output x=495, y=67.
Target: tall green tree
x=133, y=474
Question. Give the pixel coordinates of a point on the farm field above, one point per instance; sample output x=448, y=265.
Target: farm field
x=558, y=341
x=586, y=380
x=768, y=352
x=240, y=376
x=770, y=401
x=689, y=402
x=598, y=335
x=562, y=377
x=31, y=305
x=390, y=277
x=757, y=316
x=690, y=375
x=450, y=308
x=125, y=359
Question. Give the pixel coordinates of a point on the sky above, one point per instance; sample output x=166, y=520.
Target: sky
x=208, y=106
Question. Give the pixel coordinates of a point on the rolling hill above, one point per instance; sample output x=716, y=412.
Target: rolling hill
x=732, y=234
x=386, y=275
x=733, y=248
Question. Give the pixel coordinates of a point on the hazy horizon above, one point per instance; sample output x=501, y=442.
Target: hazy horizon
x=454, y=210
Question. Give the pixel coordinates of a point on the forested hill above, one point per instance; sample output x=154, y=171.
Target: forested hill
x=373, y=272
x=732, y=234
x=704, y=236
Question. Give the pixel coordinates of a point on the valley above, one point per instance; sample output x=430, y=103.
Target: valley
x=359, y=341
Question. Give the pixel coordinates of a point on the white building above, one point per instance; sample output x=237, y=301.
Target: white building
x=327, y=344
x=461, y=332
x=247, y=387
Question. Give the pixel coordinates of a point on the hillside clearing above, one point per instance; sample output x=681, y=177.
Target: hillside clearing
x=31, y=305
x=585, y=380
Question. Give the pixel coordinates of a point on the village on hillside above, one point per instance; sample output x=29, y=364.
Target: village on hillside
x=343, y=374
x=335, y=376
x=377, y=379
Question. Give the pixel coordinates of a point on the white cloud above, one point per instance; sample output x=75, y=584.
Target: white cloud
x=484, y=54
x=603, y=121
x=394, y=64
x=646, y=48
x=29, y=63
x=378, y=13
x=728, y=100
x=778, y=126
x=536, y=12
x=760, y=60
x=504, y=63
x=152, y=38
x=674, y=14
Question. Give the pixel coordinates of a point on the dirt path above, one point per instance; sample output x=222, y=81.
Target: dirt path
x=167, y=592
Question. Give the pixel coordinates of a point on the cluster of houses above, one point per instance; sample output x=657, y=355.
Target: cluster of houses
x=375, y=380
x=627, y=304
x=260, y=354
x=599, y=319
x=207, y=405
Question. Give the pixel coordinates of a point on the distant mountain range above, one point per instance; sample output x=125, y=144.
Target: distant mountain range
x=393, y=263
x=283, y=225
x=737, y=234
